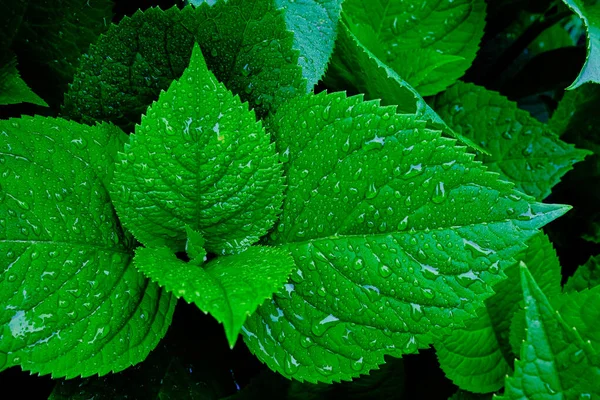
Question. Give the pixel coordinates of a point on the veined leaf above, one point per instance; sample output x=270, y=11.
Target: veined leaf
x=379, y=82
x=314, y=23
x=581, y=310
x=482, y=367
x=430, y=44
x=199, y=159
x=72, y=302
x=521, y=149
x=555, y=362
x=245, y=43
x=229, y=288
x=397, y=235
x=590, y=15
x=13, y=90
x=586, y=276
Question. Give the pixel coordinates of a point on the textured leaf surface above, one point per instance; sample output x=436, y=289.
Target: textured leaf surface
x=198, y=159
x=377, y=81
x=229, y=288
x=245, y=43
x=314, y=23
x=582, y=311
x=430, y=44
x=586, y=276
x=397, y=235
x=52, y=37
x=13, y=90
x=554, y=362
x=522, y=149
x=590, y=15
x=72, y=302
x=478, y=357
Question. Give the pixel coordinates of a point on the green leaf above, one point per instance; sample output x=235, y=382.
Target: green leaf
x=590, y=15
x=581, y=310
x=229, y=288
x=72, y=302
x=555, y=362
x=314, y=23
x=522, y=149
x=378, y=81
x=430, y=44
x=52, y=37
x=13, y=90
x=478, y=357
x=464, y=395
x=199, y=158
x=245, y=42
x=194, y=246
x=586, y=276
x=397, y=235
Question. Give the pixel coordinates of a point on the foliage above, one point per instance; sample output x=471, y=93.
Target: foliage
x=341, y=183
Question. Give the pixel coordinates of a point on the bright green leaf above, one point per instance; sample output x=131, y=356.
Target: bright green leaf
x=430, y=44
x=198, y=159
x=245, y=43
x=555, y=362
x=194, y=246
x=72, y=303
x=13, y=90
x=590, y=15
x=586, y=276
x=582, y=311
x=522, y=149
x=377, y=81
x=314, y=23
x=397, y=235
x=482, y=367
x=229, y=288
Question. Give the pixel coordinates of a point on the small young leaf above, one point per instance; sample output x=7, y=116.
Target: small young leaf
x=198, y=159
x=13, y=90
x=522, y=149
x=430, y=44
x=194, y=246
x=397, y=235
x=482, y=368
x=590, y=15
x=586, y=276
x=229, y=288
x=245, y=42
x=314, y=23
x=554, y=361
x=72, y=302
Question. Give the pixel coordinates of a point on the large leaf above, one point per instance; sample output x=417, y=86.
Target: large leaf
x=478, y=357
x=397, y=235
x=13, y=90
x=555, y=362
x=582, y=311
x=590, y=15
x=377, y=81
x=72, y=303
x=52, y=37
x=245, y=43
x=198, y=159
x=229, y=288
x=314, y=23
x=522, y=149
x=430, y=44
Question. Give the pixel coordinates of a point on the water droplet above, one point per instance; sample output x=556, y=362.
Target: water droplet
x=385, y=271
x=429, y=272
x=577, y=356
x=320, y=327
x=346, y=145
x=371, y=191
x=290, y=365
x=414, y=170
x=407, y=201
x=326, y=113
x=475, y=249
x=357, y=365
x=415, y=312
x=325, y=370
x=382, y=227
x=304, y=173
x=495, y=268
x=359, y=264
x=467, y=279
x=527, y=151
x=322, y=292
x=214, y=52
x=439, y=194
x=507, y=135
x=306, y=342
x=428, y=293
